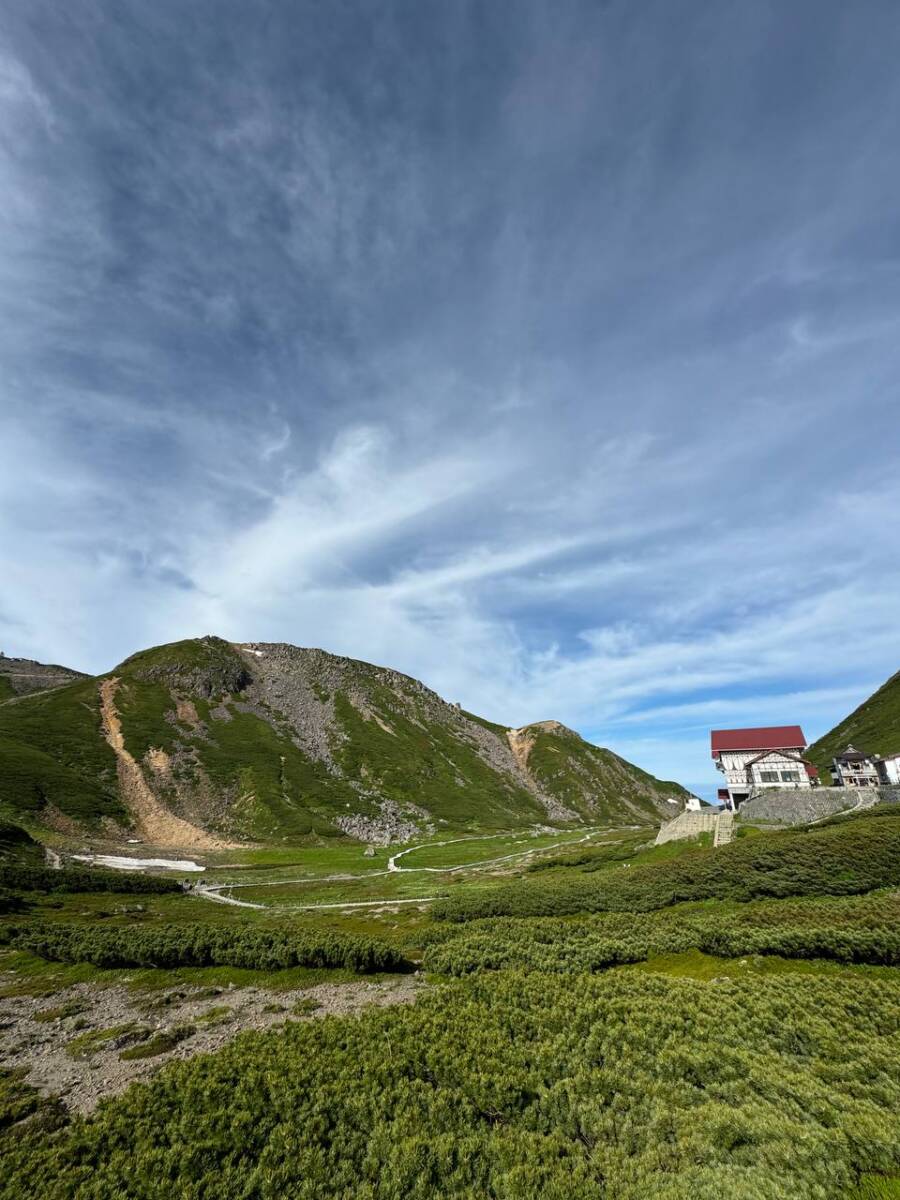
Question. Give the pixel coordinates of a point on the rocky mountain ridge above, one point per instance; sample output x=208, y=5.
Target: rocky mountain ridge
x=24, y=676
x=217, y=744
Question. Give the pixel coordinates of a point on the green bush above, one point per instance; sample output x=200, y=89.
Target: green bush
x=587, y=950
x=513, y=1086
x=841, y=859
x=17, y=845
x=10, y=902
x=161, y=1043
x=77, y=879
x=849, y=930
x=203, y=946
x=595, y=858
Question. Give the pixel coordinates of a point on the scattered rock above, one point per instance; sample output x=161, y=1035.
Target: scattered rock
x=40, y=1047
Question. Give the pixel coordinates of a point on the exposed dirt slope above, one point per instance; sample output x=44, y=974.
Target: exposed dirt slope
x=155, y=823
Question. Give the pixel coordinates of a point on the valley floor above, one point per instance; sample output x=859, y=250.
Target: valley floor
x=593, y=1015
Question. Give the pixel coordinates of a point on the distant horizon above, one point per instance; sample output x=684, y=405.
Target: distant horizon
x=548, y=354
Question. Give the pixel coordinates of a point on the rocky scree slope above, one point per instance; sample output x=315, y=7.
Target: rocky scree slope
x=23, y=676
x=270, y=742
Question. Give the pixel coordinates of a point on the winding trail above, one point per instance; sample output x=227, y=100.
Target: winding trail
x=205, y=893
x=361, y=903
x=488, y=862
x=212, y=891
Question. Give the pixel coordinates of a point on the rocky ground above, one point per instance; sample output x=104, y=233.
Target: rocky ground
x=71, y=1044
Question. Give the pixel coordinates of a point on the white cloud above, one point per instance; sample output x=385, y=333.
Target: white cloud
x=481, y=376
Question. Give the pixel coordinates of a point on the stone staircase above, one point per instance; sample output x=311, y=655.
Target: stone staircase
x=724, y=832
x=686, y=825
x=689, y=825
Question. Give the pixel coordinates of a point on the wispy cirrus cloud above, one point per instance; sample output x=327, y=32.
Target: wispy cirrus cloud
x=548, y=356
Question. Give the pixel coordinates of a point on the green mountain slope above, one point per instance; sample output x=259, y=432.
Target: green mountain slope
x=270, y=742
x=593, y=782
x=54, y=762
x=873, y=727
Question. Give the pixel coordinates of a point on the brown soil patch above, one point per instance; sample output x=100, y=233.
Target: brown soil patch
x=367, y=714
x=158, y=761
x=185, y=711
x=153, y=820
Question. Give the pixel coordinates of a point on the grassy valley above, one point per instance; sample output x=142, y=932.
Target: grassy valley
x=418, y=955
x=699, y=1022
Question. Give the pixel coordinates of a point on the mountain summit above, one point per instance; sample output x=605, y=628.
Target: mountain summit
x=206, y=743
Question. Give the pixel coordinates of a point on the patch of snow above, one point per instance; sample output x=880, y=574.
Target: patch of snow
x=120, y=863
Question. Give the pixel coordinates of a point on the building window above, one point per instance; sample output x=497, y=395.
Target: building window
x=790, y=776
x=768, y=776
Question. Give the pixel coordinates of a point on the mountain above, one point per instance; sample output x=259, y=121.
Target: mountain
x=207, y=744
x=23, y=676
x=873, y=727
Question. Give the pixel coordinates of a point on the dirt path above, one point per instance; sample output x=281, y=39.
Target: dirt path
x=486, y=862
x=205, y=893
x=40, y=1046
x=211, y=891
x=155, y=823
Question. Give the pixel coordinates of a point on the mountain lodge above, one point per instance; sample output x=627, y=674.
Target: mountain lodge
x=752, y=759
x=854, y=768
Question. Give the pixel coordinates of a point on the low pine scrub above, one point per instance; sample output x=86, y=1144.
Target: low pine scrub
x=512, y=1086
x=203, y=946
x=75, y=879
x=10, y=902
x=861, y=930
x=595, y=857
x=841, y=859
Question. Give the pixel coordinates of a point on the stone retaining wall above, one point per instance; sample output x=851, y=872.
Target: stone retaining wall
x=798, y=806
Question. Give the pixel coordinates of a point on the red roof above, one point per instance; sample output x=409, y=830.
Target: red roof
x=772, y=737
x=812, y=771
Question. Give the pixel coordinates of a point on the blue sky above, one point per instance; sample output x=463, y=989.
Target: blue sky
x=546, y=351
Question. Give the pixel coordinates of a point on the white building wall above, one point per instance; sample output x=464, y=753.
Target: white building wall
x=889, y=769
x=733, y=764
x=778, y=771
